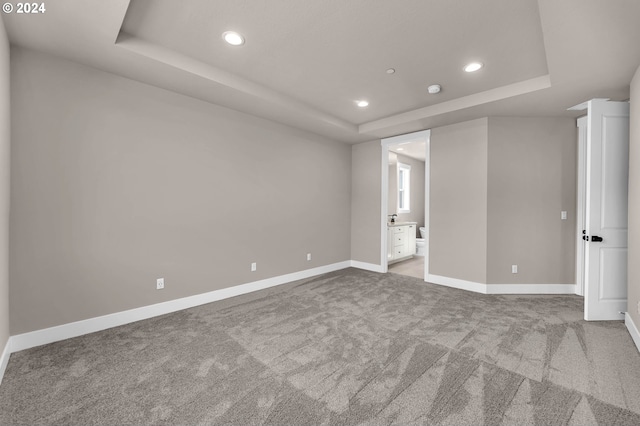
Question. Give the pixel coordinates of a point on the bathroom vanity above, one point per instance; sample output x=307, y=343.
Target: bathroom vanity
x=401, y=241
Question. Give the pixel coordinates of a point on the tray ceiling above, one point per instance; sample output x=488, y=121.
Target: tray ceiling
x=305, y=63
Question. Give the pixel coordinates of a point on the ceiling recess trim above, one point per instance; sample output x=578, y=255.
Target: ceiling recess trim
x=585, y=105
x=499, y=93
x=219, y=76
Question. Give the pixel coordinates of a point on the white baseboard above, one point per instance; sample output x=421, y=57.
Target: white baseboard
x=457, y=283
x=531, y=289
x=633, y=330
x=502, y=288
x=366, y=266
x=4, y=359
x=66, y=331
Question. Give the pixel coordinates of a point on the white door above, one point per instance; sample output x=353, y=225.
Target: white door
x=606, y=210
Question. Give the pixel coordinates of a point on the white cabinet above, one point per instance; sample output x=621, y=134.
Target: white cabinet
x=401, y=241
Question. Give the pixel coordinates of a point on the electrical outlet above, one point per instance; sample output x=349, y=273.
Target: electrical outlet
x=159, y=283
x=514, y=269
x=254, y=267
x=308, y=256
x=563, y=215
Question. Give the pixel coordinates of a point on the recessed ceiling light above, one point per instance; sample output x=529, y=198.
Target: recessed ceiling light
x=391, y=71
x=362, y=104
x=473, y=66
x=434, y=88
x=399, y=149
x=233, y=38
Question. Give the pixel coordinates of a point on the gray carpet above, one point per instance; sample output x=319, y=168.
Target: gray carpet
x=349, y=347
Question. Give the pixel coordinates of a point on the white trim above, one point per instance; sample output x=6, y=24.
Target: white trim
x=456, y=283
x=584, y=105
x=384, y=207
x=91, y=325
x=66, y=331
x=367, y=266
x=531, y=289
x=4, y=359
x=580, y=203
x=633, y=330
x=427, y=194
x=501, y=288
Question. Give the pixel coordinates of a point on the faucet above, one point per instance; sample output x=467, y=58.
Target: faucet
x=393, y=217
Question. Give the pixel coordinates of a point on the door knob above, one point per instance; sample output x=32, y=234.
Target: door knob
x=596, y=239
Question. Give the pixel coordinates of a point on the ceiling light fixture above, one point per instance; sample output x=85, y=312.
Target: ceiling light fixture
x=233, y=38
x=434, y=88
x=399, y=149
x=391, y=71
x=362, y=104
x=473, y=66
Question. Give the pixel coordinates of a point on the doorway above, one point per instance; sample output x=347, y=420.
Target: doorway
x=408, y=208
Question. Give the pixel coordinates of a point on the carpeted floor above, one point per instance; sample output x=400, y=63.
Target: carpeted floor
x=349, y=347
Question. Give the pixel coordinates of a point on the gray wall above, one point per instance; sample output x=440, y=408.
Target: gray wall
x=458, y=201
x=366, y=180
x=5, y=137
x=634, y=202
x=498, y=186
x=116, y=183
x=417, y=191
x=532, y=178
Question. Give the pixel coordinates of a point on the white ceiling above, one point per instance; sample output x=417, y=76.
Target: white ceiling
x=306, y=62
x=415, y=150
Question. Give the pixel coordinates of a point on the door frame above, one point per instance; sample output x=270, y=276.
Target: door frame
x=421, y=136
x=581, y=202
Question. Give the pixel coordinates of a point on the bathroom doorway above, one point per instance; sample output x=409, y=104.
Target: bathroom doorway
x=405, y=204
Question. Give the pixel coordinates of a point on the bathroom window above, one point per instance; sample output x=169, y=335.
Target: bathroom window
x=404, y=188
